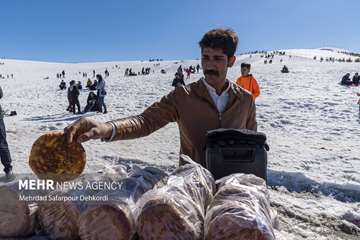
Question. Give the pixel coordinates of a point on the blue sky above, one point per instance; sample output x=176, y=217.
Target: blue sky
x=104, y=30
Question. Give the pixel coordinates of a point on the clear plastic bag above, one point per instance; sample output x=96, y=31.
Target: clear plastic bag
x=117, y=213
x=240, y=210
x=176, y=210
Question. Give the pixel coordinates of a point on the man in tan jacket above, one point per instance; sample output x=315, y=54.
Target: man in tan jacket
x=210, y=103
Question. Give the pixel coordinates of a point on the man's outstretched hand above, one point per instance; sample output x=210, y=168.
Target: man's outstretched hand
x=85, y=129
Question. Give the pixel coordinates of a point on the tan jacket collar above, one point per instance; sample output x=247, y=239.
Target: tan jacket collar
x=200, y=90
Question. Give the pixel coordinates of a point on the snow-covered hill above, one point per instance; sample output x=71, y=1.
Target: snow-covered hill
x=312, y=124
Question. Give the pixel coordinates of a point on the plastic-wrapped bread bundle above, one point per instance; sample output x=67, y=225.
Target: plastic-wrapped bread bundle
x=240, y=210
x=59, y=219
x=17, y=218
x=114, y=219
x=176, y=211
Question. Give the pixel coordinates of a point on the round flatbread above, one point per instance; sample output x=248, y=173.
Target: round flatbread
x=52, y=158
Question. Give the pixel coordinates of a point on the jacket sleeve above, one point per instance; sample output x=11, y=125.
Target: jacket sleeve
x=251, y=121
x=100, y=85
x=153, y=118
x=256, y=88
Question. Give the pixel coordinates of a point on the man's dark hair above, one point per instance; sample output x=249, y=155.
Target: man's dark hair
x=225, y=39
x=246, y=65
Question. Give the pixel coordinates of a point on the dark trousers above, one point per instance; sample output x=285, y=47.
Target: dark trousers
x=4, y=148
x=73, y=103
x=101, y=104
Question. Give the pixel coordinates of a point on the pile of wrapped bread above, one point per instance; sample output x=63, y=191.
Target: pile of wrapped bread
x=184, y=205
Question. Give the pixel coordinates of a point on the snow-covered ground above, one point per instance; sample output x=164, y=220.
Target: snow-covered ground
x=312, y=124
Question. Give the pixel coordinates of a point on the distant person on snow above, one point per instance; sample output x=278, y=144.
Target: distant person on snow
x=285, y=69
x=62, y=85
x=247, y=81
x=79, y=85
x=188, y=73
x=346, y=81
x=180, y=70
x=69, y=98
x=131, y=73
x=73, y=96
x=198, y=68
x=4, y=148
x=178, y=80
x=356, y=79
x=88, y=83
x=94, y=85
x=91, y=103
x=101, y=93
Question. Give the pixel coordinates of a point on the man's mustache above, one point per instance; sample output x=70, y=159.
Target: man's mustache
x=211, y=72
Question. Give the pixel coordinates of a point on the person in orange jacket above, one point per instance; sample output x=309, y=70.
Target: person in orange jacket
x=247, y=80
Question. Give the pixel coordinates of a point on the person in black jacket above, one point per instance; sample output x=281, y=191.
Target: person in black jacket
x=69, y=100
x=285, y=69
x=73, y=97
x=62, y=85
x=178, y=80
x=356, y=79
x=4, y=148
x=94, y=85
x=79, y=85
x=198, y=68
x=346, y=80
x=91, y=103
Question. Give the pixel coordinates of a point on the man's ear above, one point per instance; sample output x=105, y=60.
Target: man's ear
x=231, y=61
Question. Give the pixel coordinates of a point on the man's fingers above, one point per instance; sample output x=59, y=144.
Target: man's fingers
x=71, y=130
x=81, y=130
x=69, y=134
x=92, y=134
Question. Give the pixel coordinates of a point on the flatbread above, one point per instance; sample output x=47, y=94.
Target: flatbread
x=52, y=158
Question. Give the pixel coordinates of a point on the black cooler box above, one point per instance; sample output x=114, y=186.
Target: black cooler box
x=231, y=151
